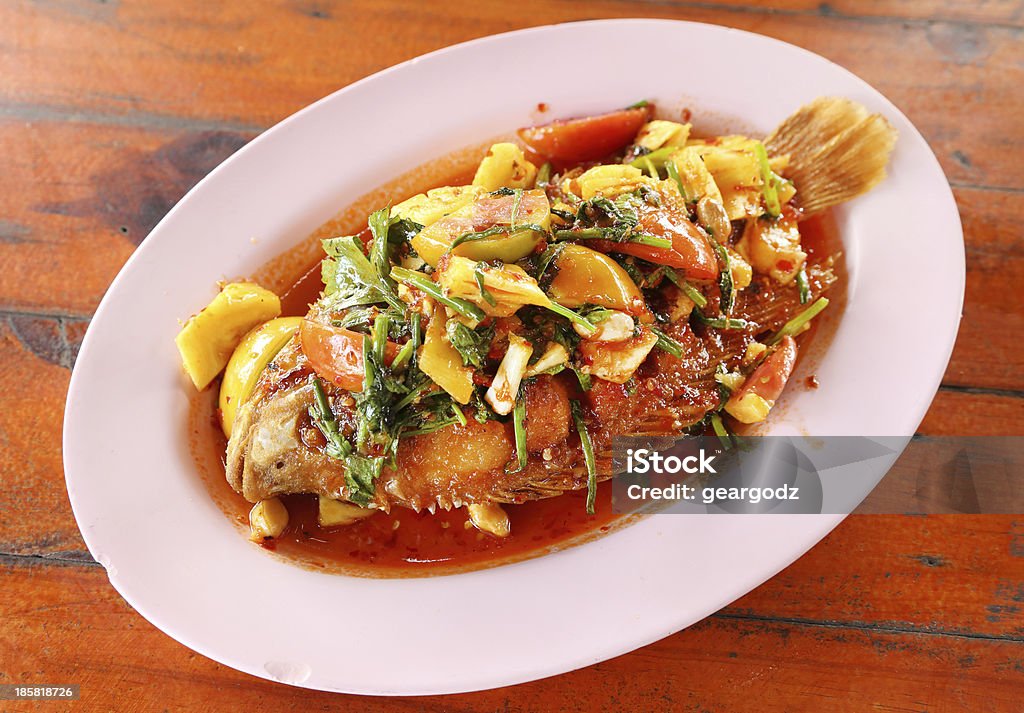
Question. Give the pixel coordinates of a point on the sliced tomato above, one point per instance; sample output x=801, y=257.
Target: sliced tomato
x=770, y=377
x=586, y=139
x=336, y=354
x=690, y=252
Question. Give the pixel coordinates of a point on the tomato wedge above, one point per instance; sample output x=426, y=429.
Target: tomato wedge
x=336, y=354
x=690, y=253
x=586, y=139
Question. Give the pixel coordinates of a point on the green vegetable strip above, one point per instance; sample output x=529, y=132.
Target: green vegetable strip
x=725, y=284
x=795, y=325
x=571, y=316
x=722, y=322
x=769, y=182
x=414, y=394
x=484, y=292
x=380, y=222
x=459, y=416
x=673, y=173
x=588, y=455
x=689, y=290
x=519, y=421
x=654, y=158
x=323, y=418
x=603, y=234
x=403, y=356
x=803, y=285
x=492, y=231
x=543, y=175
x=424, y=283
x=668, y=344
x=721, y=431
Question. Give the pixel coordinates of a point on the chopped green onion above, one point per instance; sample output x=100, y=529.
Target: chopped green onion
x=414, y=394
x=725, y=285
x=485, y=294
x=459, y=416
x=803, y=285
x=653, y=159
x=796, y=325
x=689, y=290
x=769, y=181
x=668, y=344
x=519, y=422
x=722, y=322
x=543, y=175
x=721, y=431
x=424, y=283
x=639, y=105
x=323, y=418
x=403, y=356
x=588, y=455
x=673, y=173
x=603, y=234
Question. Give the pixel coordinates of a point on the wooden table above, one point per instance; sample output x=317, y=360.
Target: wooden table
x=110, y=111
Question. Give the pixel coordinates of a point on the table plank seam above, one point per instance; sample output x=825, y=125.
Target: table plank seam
x=873, y=627
x=826, y=11
x=70, y=558
x=140, y=119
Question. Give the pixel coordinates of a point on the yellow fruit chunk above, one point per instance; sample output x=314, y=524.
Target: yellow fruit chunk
x=505, y=166
x=250, y=358
x=208, y=339
x=585, y=276
x=442, y=362
x=428, y=208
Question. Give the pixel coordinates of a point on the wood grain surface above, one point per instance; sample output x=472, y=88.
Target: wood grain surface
x=111, y=110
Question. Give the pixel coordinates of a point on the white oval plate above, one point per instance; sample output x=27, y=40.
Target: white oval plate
x=177, y=559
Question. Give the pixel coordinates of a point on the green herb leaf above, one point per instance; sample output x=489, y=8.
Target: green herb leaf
x=796, y=325
x=803, y=285
x=424, y=283
x=769, y=182
x=519, y=424
x=473, y=345
x=668, y=344
x=588, y=454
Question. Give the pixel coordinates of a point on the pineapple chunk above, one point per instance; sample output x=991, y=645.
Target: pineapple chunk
x=267, y=519
x=428, y=208
x=331, y=513
x=508, y=285
x=738, y=176
x=442, y=362
x=749, y=408
x=489, y=518
x=505, y=166
x=208, y=339
x=658, y=133
x=772, y=247
x=610, y=180
x=694, y=175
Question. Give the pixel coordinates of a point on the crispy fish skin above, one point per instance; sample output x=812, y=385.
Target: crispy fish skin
x=274, y=449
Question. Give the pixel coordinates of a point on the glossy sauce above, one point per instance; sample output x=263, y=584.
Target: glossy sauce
x=403, y=543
